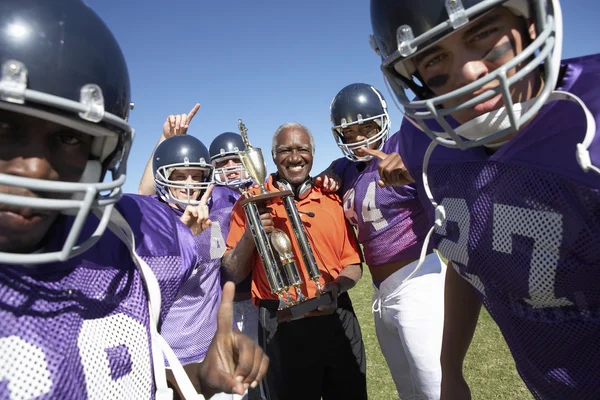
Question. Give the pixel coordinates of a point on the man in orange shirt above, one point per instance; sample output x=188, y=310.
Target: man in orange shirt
x=321, y=355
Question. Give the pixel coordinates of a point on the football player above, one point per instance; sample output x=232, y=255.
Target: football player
x=502, y=137
x=391, y=224
x=183, y=178
x=80, y=305
x=230, y=178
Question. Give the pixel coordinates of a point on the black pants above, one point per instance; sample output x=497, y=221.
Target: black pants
x=314, y=357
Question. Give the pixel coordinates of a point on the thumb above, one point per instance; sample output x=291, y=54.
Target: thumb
x=375, y=153
x=381, y=184
x=225, y=315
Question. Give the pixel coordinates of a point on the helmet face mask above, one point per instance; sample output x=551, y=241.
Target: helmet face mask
x=402, y=34
x=224, y=148
x=58, y=79
x=232, y=176
x=179, y=155
x=183, y=192
x=355, y=105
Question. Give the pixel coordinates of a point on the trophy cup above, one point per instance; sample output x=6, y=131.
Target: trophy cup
x=275, y=249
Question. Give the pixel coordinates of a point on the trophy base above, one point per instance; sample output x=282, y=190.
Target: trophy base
x=298, y=310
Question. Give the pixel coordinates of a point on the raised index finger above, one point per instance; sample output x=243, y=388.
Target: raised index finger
x=375, y=153
x=192, y=113
x=225, y=314
x=206, y=196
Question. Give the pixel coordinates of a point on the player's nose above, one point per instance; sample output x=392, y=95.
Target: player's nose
x=31, y=166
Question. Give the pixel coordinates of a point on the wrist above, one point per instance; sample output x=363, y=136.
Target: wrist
x=340, y=286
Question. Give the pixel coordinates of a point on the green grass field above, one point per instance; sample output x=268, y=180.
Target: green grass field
x=489, y=368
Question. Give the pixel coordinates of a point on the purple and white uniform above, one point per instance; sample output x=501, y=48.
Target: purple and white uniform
x=80, y=329
x=390, y=221
x=523, y=227
x=392, y=224
x=191, y=322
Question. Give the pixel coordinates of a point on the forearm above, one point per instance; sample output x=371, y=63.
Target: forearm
x=349, y=277
x=236, y=263
x=146, y=186
x=461, y=312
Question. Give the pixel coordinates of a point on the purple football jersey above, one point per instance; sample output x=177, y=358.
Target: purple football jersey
x=523, y=227
x=390, y=221
x=191, y=323
x=80, y=329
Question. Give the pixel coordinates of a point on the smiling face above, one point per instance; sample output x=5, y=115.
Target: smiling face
x=184, y=180
x=473, y=52
x=293, y=155
x=37, y=149
x=229, y=169
x=360, y=132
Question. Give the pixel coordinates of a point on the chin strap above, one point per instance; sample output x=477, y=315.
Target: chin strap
x=160, y=348
x=582, y=153
x=440, y=212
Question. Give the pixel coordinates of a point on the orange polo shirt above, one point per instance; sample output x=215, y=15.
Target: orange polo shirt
x=331, y=239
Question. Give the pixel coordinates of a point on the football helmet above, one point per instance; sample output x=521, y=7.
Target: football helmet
x=59, y=62
x=181, y=152
x=356, y=104
x=404, y=28
x=226, y=147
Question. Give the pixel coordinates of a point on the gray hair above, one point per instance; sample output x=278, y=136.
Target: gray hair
x=292, y=125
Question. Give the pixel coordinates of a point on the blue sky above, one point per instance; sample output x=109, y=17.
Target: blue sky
x=265, y=61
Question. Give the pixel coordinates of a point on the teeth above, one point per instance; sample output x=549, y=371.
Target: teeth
x=295, y=168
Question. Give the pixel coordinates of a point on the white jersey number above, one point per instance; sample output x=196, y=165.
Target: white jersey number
x=544, y=227
x=546, y=230
x=349, y=208
x=25, y=368
x=217, y=243
x=369, y=211
x=458, y=212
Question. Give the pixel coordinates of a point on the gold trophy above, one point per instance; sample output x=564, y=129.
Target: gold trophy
x=282, y=271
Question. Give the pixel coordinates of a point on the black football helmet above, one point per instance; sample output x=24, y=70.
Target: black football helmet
x=226, y=147
x=59, y=62
x=404, y=28
x=181, y=152
x=355, y=104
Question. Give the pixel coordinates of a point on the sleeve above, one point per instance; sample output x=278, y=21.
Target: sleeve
x=411, y=152
x=349, y=249
x=237, y=226
x=393, y=144
x=340, y=167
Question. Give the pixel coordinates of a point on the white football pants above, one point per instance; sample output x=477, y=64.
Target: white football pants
x=409, y=321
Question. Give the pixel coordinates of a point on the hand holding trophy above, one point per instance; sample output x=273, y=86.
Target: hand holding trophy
x=280, y=265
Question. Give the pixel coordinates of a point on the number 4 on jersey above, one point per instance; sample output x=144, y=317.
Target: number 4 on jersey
x=369, y=211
